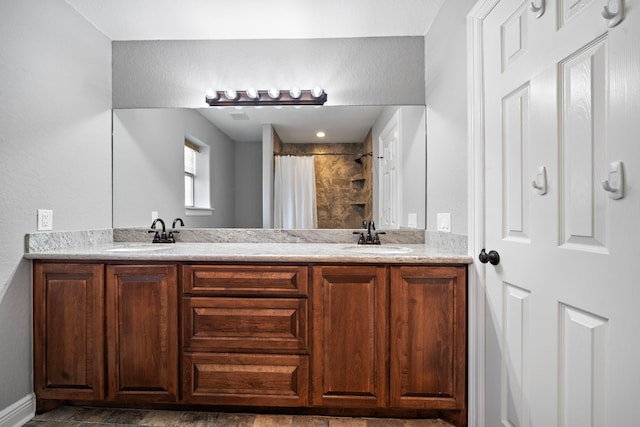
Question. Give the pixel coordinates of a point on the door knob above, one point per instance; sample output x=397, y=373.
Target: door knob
x=493, y=257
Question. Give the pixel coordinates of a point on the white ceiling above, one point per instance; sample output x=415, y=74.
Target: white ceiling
x=345, y=124
x=123, y=20
x=257, y=19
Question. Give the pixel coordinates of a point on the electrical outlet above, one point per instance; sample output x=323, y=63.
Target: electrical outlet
x=154, y=215
x=444, y=222
x=45, y=220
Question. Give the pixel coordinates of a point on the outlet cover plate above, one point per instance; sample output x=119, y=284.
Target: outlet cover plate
x=45, y=220
x=444, y=222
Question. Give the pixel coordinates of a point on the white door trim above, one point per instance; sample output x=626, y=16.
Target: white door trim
x=476, y=211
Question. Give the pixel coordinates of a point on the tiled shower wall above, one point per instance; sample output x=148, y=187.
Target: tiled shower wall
x=343, y=187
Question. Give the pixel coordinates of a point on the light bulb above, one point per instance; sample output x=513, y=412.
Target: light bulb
x=210, y=94
x=321, y=134
x=295, y=92
x=274, y=93
x=231, y=94
x=317, y=92
x=253, y=93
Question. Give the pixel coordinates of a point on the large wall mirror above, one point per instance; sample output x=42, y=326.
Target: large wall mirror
x=371, y=164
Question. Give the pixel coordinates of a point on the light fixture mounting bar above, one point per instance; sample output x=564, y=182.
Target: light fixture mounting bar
x=263, y=98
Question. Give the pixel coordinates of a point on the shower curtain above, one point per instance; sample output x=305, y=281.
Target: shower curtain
x=294, y=197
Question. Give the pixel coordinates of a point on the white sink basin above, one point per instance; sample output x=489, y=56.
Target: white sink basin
x=143, y=247
x=379, y=249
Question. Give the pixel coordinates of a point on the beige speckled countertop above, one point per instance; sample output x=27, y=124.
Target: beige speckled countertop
x=256, y=252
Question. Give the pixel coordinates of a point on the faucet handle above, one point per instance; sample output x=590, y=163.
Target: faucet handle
x=376, y=237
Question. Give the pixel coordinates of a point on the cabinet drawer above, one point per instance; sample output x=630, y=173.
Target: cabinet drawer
x=245, y=280
x=240, y=324
x=246, y=379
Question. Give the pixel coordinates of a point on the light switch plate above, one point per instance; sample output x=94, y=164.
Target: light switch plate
x=444, y=222
x=412, y=220
x=45, y=220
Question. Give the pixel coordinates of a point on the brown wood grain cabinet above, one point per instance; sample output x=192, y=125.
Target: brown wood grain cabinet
x=74, y=304
x=142, y=332
x=246, y=335
x=428, y=337
x=255, y=379
x=349, y=360
x=276, y=325
x=361, y=337
x=68, y=340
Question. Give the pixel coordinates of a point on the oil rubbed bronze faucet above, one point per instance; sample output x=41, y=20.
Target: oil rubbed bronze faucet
x=159, y=237
x=369, y=239
x=163, y=237
x=173, y=230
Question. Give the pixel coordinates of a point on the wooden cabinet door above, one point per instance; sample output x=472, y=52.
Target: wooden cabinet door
x=428, y=337
x=68, y=343
x=349, y=356
x=142, y=333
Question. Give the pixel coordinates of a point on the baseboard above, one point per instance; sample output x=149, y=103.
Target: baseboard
x=19, y=413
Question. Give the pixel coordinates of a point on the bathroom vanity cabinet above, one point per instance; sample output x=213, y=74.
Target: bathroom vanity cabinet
x=246, y=337
x=389, y=336
x=141, y=319
x=88, y=317
x=350, y=336
x=354, y=337
x=68, y=331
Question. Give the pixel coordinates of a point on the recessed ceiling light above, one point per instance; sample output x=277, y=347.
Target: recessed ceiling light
x=321, y=134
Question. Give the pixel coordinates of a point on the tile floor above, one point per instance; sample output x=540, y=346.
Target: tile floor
x=104, y=417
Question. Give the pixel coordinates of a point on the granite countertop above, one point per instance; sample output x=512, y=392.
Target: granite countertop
x=256, y=252
x=246, y=245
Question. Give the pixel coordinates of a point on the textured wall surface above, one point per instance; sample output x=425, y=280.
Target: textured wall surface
x=446, y=97
x=55, y=153
x=341, y=197
x=248, y=176
x=357, y=71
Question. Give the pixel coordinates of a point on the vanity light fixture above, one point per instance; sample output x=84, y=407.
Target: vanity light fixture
x=316, y=96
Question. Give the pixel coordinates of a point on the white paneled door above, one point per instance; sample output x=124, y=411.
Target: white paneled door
x=562, y=134
x=390, y=173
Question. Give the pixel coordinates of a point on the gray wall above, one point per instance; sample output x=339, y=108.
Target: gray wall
x=148, y=167
x=357, y=71
x=446, y=96
x=248, y=184
x=55, y=152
